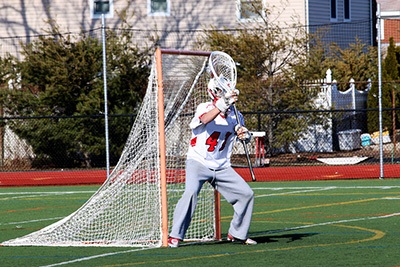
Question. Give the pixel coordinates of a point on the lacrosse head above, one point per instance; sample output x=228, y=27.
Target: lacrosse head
x=223, y=71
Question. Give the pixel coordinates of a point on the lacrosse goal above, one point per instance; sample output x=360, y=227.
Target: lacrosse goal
x=134, y=206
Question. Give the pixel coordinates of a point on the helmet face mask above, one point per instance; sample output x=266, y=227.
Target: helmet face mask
x=213, y=90
x=217, y=87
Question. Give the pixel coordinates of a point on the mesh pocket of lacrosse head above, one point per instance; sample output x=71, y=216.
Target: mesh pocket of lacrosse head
x=223, y=66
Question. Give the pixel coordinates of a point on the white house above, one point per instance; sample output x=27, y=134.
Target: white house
x=178, y=22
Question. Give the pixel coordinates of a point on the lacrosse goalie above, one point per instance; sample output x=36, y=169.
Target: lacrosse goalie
x=215, y=128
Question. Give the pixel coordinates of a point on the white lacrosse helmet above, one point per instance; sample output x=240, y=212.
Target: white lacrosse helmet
x=217, y=87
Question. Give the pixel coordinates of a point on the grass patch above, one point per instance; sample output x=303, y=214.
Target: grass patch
x=308, y=223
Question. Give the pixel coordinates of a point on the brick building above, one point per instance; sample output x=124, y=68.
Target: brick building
x=390, y=13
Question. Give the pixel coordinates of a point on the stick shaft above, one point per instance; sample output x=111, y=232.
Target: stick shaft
x=246, y=151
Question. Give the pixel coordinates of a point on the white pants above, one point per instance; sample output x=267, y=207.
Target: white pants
x=231, y=186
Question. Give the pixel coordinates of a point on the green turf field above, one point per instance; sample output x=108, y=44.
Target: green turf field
x=310, y=223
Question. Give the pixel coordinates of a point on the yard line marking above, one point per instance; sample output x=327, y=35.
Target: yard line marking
x=30, y=221
x=19, y=195
x=96, y=256
x=296, y=192
x=291, y=188
x=47, y=193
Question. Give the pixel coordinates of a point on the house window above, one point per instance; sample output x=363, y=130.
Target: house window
x=334, y=10
x=347, y=10
x=158, y=7
x=250, y=9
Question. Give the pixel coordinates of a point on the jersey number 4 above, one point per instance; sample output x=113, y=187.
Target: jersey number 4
x=212, y=141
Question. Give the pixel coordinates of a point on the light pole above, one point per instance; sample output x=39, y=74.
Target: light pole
x=103, y=9
x=380, y=17
x=378, y=26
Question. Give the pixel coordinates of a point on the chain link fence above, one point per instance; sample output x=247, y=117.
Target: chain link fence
x=317, y=142
x=60, y=146
x=50, y=142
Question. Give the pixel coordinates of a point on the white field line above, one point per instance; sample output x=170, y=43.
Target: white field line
x=32, y=221
x=255, y=188
x=30, y=194
x=296, y=192
x=16, y=195
x=314, y=189
x=322, y=187
x=50, y=193
x=46, y=193
x=38, y=194
x=95, y=257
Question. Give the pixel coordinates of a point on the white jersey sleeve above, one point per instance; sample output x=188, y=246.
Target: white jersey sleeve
x=212, y=143
x=200, y=111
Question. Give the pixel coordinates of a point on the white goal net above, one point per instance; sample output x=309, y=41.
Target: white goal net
x=127, y=209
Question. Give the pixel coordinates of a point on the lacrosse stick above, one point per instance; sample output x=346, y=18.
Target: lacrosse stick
x=223, y=67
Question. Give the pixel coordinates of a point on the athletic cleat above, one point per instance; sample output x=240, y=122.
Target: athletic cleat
x=248, y=241
x=173, y=242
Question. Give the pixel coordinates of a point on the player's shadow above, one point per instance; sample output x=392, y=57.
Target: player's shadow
x=260, y=238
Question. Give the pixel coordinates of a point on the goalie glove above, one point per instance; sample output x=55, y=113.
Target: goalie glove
x=242, y=133
x=227, y=100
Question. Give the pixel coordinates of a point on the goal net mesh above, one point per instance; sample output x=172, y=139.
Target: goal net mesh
x=126, y=209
